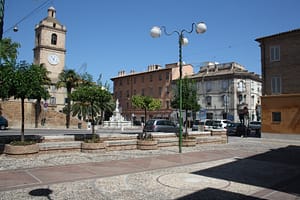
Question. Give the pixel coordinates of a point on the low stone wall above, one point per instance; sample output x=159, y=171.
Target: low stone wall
x=119, y=142
x=119, y=145
x=60, y=146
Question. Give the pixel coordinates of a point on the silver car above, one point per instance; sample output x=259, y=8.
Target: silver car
x=160, y=125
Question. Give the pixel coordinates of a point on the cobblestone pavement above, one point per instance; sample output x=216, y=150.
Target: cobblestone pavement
x=245, y=168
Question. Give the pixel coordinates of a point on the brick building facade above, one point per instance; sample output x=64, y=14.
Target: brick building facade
x=155, y=82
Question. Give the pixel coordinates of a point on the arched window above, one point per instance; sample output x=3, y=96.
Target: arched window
x=53, y=39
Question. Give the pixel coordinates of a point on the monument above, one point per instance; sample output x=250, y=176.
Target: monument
x=117, y=120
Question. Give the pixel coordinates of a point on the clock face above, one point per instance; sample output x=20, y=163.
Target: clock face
x=53, y=59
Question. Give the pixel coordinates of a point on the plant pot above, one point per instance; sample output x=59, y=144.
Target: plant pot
x=189, y=142
x=147, y=144
x=21, y=149
x=95, y=147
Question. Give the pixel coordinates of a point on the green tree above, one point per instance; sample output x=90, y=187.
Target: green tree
x=40, y=92
x=8, y=52
x=28, y=83
x=70, y=80
x=146, y=103
x=8, y=56
x=189, y=97
x=92, y=97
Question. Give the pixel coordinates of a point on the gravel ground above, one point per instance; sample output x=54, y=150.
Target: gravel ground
x=52, y=159
x=156, y=184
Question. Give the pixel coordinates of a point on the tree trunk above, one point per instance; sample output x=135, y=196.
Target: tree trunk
x=186, y=123
x=93, y=123
x=68, y=114
x=145, y=115
x=37, y=112
x=22, y=120
x=69, y=90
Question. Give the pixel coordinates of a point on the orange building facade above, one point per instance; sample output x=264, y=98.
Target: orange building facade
x=280, y=61
x=155, y=82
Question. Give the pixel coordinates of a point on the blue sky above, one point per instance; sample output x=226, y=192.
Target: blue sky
x=108, y=36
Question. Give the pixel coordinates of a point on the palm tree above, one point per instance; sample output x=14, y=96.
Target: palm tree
x=92, y=97
x=41, y=92
x=70, y=80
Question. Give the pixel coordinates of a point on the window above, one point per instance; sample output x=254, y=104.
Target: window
x=167, y=76
x=54, y=25
x=274, y=53
x=66, y=100
x=53, y=39
x=225, y=84
x=208, y=101
x=276, y=116
x=52, y=100
x=241, y=86
x=240, y=98
x=52, y=88
x=159, y=91
x=150, y=78
x=143, y=92
x=208, y=86
x=160, y=77
x=134, y=80
x=151, y=91
x=276, y=85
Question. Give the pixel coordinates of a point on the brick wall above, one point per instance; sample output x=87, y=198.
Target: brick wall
x=11, y=110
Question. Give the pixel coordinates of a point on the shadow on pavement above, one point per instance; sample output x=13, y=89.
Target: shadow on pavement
x=41, y=192
x=216, y=194
x=277, y=169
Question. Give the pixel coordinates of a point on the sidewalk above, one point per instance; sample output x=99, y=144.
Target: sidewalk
x=243, y=169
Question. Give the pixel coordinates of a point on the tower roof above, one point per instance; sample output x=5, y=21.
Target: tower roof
x=51, y=19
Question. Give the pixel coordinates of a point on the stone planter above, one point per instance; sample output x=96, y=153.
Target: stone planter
x=147, y=144
x=92, y=147
x=189, y=142
x=21, y=149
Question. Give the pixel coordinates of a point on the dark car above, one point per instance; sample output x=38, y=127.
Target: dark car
x=3, y=123
x=255, y=127
x=160, y=125
x=231, y=128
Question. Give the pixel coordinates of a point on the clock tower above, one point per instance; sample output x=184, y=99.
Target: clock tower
x=50, y=50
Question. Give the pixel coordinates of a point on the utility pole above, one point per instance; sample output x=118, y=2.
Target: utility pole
x=1, y=17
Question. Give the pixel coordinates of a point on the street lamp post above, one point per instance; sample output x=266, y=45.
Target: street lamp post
x=155, y=33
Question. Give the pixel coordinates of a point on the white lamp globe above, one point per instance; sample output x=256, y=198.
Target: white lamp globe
x=184, y=41
x=201, y=27
x=155, y=32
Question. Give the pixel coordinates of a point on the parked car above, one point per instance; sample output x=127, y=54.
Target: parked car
x=210, y=124
x=255, y=125
x=3, y=123
x=231, y=128
x=221, y=122
x=160, y=125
